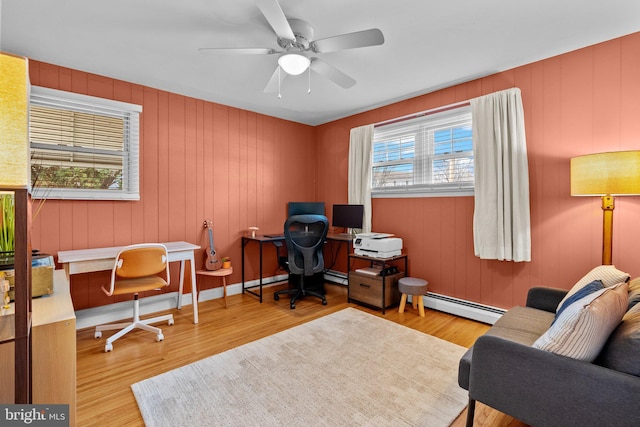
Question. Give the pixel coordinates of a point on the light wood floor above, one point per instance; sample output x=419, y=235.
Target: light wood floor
x=103, y=379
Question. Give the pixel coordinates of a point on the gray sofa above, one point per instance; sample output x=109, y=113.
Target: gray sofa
x=540, y=388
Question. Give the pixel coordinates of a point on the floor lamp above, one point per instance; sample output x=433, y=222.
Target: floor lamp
x=15, y=177
x=606, y=175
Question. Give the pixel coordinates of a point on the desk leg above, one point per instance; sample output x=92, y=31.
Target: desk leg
x=261, y=272
x=194, y=289
x=181, y=288
x=244, y=243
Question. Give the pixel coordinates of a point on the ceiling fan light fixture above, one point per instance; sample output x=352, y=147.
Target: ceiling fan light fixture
x=293, y=63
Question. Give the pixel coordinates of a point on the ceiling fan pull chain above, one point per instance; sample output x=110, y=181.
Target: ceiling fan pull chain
x=309, y=69
x=279, y=94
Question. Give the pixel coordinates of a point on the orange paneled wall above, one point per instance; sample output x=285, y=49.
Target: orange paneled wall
x=199, y=160
x=581, y=102
x=204, y=160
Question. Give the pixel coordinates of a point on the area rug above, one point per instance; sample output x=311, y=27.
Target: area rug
x=348, y=368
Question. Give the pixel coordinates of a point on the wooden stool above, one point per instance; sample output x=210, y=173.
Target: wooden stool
x=222, y=272
x=415, y=287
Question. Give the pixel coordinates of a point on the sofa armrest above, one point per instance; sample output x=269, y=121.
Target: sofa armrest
x=543, y=388
x=544, y=298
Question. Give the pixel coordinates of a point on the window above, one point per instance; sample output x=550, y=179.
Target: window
x=430, y=155
x=83, y=147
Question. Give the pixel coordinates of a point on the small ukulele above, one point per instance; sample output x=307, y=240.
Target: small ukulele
x=212, y=262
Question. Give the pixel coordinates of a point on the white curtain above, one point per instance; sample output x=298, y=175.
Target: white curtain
x=360, y=144
x=501, y=219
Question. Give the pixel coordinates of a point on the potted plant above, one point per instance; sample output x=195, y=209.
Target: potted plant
x=226, y=262
x=7, y=224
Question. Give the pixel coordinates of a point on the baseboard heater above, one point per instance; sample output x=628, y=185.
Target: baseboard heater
x=336, y=277
x=463, y=308
x=456, y=306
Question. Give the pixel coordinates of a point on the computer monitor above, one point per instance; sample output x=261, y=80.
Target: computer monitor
x=301, y=208
x=347, y=216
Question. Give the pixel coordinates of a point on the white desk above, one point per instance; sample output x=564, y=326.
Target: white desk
x=101, y=259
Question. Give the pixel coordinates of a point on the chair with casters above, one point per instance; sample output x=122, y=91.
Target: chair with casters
x=137, y=268
x=305, y=236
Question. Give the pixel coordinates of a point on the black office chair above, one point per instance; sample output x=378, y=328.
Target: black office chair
x=305, y=236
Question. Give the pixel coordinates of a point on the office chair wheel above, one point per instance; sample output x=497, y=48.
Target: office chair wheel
x=160, y=337
x=292, y=306
x=108, y=348
x=324, y=302
x=170, y=322
x=276, y=297
x=98, y=334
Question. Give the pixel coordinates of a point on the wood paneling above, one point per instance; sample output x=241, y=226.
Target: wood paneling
x=577, y=103
x=199, y=160
x=205, y=160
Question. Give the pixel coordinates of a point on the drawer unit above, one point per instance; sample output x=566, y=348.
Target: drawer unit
x=367, y=289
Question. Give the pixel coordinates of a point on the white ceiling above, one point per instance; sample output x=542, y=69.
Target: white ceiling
x=428, y=44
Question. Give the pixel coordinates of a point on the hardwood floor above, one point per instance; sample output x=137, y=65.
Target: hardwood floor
x=103, y=379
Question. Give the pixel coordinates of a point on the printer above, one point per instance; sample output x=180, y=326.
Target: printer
x=377, y=245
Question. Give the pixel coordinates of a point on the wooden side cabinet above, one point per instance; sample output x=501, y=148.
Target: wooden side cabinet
x=379, y=291
x=54, y=347
x=53, y=337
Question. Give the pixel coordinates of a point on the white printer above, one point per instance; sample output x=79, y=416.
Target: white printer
x=377, y=245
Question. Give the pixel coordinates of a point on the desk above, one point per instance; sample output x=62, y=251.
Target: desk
x=341, y=238
x=101, y=259
x=261, y=240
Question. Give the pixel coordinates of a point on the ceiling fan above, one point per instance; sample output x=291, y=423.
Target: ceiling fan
x=295, y=38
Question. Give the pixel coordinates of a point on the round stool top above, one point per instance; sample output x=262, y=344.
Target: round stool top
x=412, y=286
x=218, y=272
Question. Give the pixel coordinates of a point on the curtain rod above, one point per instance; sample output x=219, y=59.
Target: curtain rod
x=423, y=113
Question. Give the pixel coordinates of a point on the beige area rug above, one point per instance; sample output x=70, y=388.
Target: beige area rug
x=348, y=368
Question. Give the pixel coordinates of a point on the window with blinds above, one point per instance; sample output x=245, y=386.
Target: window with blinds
x=83, y=147
x=427, y=155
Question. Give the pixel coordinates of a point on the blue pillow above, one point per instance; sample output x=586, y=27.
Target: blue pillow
x=588, y=289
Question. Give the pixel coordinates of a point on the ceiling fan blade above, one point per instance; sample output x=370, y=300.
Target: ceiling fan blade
x=332, y=73
x=236, y=50
x=275, y=16
x=372, y=37
x=272, y=84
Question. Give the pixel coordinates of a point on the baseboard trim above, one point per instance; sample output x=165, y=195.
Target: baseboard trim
x=92, y=317
x=95, y=316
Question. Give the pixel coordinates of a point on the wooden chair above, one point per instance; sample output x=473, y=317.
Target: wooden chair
x=137, y=268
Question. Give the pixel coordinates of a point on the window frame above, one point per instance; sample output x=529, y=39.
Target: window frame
x=131, y=144
x=431, y=119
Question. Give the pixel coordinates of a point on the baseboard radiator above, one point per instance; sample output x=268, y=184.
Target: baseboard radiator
x=463, y=308
x=456, y=306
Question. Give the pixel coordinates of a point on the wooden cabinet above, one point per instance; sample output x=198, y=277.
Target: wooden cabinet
x=369, y=289
x=53, y=345
x=379, y=291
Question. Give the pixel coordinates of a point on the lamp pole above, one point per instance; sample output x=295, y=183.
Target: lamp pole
x=608, y=204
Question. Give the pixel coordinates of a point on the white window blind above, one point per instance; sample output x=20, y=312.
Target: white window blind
x=83, y=147
x=427, y=155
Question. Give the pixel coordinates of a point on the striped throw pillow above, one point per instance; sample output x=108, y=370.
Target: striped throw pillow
x=608, y=274
x=583, y=328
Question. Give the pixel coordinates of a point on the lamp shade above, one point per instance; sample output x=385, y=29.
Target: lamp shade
x=294, y=63
x=614, y=174
x=14, y=122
